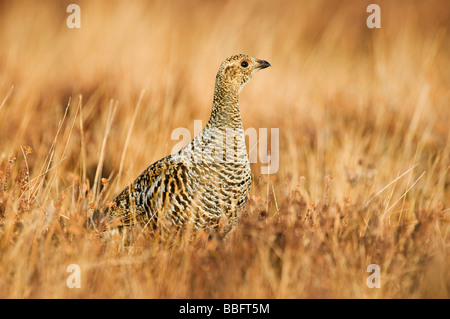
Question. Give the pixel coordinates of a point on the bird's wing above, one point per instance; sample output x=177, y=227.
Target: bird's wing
x=159, y=187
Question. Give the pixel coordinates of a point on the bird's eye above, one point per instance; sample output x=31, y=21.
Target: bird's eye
x=244, y=64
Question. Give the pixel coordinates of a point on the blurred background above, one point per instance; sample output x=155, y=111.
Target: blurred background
x=328, y=66
x=354, y=105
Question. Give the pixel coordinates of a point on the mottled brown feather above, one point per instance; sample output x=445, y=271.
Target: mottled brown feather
x=207, y=179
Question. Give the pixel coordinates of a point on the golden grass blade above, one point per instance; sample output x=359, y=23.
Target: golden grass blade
x=127, y=141
x=98, y=172
x=11, y=90
x=388, y=185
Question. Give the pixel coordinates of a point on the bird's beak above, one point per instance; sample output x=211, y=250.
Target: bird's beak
x=263, y=64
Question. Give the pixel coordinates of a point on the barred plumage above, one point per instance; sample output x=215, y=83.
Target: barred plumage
x=208, y=178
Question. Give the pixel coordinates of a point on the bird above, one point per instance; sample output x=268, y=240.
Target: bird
x=206, y=180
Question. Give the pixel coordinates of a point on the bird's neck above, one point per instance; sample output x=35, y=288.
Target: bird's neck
x=225, y=110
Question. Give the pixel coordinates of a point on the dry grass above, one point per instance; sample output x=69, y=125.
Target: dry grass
x=363, y=117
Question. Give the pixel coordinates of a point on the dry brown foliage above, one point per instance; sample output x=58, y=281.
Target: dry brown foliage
x=363, y=117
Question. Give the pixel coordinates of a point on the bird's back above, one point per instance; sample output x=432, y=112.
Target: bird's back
x=206, y=180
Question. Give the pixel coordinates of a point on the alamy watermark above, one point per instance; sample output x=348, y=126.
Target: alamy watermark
x=374, y=19
x=74, y=279
x=374, y=280
x=212, y=145
x=74, y=18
